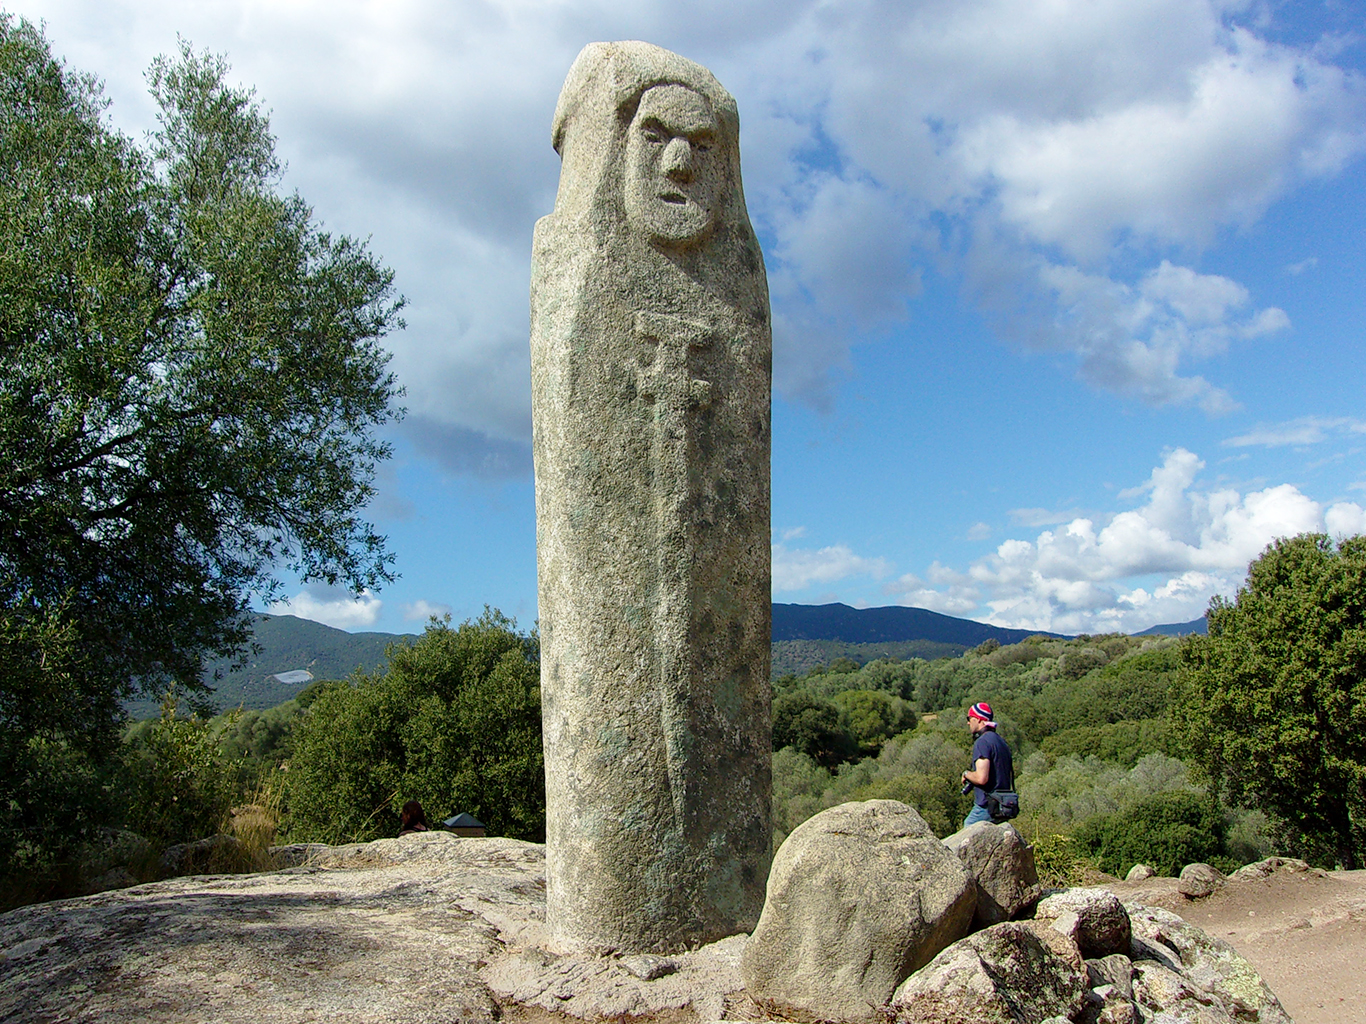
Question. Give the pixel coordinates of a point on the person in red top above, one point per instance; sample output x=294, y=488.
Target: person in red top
x=992, y=768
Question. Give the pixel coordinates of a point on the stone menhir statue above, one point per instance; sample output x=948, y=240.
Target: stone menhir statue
x=651, y=376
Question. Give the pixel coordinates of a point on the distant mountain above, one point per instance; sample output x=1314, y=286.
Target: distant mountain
x=1178, y=628
x=798, y=657
x=294, y=652
x=885, y=625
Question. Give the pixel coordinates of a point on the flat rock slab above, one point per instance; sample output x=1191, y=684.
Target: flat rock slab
x=427, y=928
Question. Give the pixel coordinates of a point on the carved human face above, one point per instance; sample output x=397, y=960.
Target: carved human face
x=673, y=177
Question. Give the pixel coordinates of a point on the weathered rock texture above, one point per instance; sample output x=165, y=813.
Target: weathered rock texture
x=1092, y=918
x=1004, y=974
x=1200, y=880
x=435, y=928
x=860, y=896
x=1002, y=864
x=1184, y=969
x=651, y=374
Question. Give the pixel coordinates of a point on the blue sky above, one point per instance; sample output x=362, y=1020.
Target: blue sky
x=1068, y=295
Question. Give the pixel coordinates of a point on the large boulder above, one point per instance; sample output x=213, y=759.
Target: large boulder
x=1200, y=880
x=1093, y=918
x=1002, y=864
x=1139, y=873
x=1165, y=946
x=1005, y=974
x=859, y=896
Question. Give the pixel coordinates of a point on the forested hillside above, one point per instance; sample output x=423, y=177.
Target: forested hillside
x=287, y=644
x=1086, y=718
x=884, y=625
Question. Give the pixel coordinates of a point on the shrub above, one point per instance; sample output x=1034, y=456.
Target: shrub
x=811, y=726
x=179, y=788
x=454, y=723
x=1166, y=831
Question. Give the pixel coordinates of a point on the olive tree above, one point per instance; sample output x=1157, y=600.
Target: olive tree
x=192, y=385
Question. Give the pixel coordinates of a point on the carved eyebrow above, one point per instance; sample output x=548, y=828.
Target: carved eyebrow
x=703, y=134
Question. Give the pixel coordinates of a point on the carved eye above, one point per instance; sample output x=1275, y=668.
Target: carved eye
x=653, y=134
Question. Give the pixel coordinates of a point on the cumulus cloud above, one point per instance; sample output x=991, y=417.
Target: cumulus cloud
x=943, y=590
x=1050, y=155
x=422, y=610
x=332, y=606
x=1043, y=146
x=800, y=568
x=1345, y=519
x=1158, y=562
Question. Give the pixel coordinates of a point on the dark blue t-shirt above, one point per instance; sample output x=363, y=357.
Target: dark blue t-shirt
x=1001, y=774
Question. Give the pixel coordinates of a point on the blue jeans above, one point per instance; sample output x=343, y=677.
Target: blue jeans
x=978, y=813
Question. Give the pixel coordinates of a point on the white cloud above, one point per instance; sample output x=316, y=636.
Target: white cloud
x=332, y=606
x=945, y=591
x=800, y=568
x=1296, y=269
x=794, y=533
x=1044, y=144
x=422, y=610
x=1158, y=562
x=1039, y=516
x=1303, y=431
x=979, y=531
x=1030, y=148
x=1345, y=519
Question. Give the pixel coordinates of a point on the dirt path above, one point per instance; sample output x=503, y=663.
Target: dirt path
x=1304, y=931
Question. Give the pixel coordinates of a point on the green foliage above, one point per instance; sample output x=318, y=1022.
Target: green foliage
x=58, y=797
x=1073, y=789
x=454, y=723
x=812, y=726
x=919, y=768
x=179, y=789
x=870, y=718
x=803, y=657
x=1272, y=703
x=1057, y=859
x=192, y=383
x=1166, y=831
x=1121, y=742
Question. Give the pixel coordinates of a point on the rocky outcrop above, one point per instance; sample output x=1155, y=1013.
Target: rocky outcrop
x=1092, y=918
x=1002, y=864
x=202, y=855
x=434, y=927
x=859, y=896
x=1139, y=873
x=1268, y=867
x=1004, y=974
x=1200, y=880
x=1177, y=965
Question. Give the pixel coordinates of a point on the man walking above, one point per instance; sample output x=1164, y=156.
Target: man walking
x=992, y=770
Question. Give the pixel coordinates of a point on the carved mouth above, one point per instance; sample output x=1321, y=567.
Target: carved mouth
x=677, y=198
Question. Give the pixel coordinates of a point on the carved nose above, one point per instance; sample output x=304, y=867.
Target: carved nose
x=677, y=163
